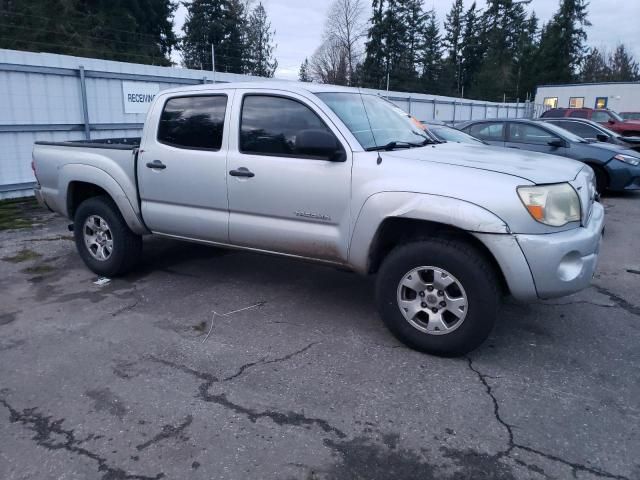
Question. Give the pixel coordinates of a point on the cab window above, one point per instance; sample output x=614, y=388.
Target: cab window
x=269, y=125
x=194, y=122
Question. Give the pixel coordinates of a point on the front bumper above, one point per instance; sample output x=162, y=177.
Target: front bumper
x=623, y=176
x=565, y=262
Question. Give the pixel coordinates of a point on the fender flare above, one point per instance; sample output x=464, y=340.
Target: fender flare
x=75, y=172
x=417, y=206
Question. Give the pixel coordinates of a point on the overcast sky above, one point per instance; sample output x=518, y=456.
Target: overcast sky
x=299, y=25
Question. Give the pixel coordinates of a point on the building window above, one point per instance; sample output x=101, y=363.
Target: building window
x=601, y=102
x=576, y=102
x=551, y=102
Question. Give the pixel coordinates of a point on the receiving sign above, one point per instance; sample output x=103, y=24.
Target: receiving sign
x=137, y=96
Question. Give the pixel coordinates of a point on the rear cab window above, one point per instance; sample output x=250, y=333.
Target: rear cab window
x=193, y=122
x=579, y=114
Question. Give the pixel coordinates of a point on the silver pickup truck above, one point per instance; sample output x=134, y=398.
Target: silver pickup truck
x=342, y=177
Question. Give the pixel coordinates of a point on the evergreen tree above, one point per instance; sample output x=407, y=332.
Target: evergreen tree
x=562, y=43
x=622, y=66
x=373, y=72
x=220, y=23
x=431, y=60
x=304, y=75
x=453, y=36
x=413, y=18
x=595, y=67
x=138, y=31
x=259, y=44
x=471, y=49
x=526, y=57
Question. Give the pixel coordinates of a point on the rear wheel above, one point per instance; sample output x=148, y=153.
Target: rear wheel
x=438, y=296
x=104, y=241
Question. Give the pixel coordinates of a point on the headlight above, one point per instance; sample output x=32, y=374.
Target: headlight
x=631, y=160
x=554, y=205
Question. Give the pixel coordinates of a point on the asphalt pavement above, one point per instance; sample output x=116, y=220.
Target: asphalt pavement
x=215, y=364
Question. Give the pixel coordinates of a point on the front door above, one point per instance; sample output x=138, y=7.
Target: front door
x=282, y=199
x=182, y=170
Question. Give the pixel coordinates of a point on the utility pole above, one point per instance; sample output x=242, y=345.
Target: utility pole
x=213, y=62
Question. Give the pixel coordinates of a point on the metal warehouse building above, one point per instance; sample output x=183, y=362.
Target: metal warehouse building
x=58, y=97
x=620, y=97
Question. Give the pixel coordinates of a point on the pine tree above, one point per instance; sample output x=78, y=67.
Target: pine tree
x=471, y=48
x=453, y=28
x=595, y=68
x=622, y=66
x=138, y=31
x=431, y=61
x=373, y=72
x=562, y=43
x=259, y=44
x=221, y=23
x=304, y=75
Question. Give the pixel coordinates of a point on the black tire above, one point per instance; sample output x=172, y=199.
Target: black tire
x=127, y=246
x=465, y=263
x=602, y=180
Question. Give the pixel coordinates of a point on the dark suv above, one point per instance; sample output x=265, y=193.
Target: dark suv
x=608, y=118
x=616, y=167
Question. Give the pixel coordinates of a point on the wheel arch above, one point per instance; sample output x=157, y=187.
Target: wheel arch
x=80, y=182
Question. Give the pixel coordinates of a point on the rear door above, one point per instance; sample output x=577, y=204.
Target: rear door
x=491, y=132
x=534, y=138
x=280, y=199
x=182, y=166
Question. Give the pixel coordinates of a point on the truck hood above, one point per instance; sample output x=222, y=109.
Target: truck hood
x=535, y=167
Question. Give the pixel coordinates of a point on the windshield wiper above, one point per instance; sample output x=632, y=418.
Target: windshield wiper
x=399, y=144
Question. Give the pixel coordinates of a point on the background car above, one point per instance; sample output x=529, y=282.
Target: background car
x=445, y=133
x=594, y=131
x=630, y=115
x=609, y=118
x=616, y=167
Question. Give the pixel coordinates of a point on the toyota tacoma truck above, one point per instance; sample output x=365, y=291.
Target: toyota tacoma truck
x=338, y=176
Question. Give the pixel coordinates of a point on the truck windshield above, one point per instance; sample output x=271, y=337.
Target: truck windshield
x=375, y=122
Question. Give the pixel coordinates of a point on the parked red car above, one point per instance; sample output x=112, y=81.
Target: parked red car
x=607, y=118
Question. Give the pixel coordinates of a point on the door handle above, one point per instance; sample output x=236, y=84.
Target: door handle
x=242, y=172
x=517, y=148
x=156, y=165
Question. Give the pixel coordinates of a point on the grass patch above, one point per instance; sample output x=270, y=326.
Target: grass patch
x=38, y=269
x=18, y=213
x=23, y=255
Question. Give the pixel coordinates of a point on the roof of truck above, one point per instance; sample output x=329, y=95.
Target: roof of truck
x=290, y=86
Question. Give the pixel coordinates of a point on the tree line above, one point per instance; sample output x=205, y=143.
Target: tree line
x=499, y=52
x=142, y=31
x=495, y=53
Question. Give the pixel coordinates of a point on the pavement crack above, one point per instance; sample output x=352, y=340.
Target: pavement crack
x=618, y=300
x=264, y=361
x=512, y=444
x=168, y=431
x=49, y=434
x=280, y=418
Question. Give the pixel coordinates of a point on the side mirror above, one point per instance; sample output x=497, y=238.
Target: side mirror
x=601, y=137
x=557, y=143
x=611, y=121
x=319, y=143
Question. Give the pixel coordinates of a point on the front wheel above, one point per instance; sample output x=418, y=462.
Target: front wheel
x=438, y=296
x=103, y=239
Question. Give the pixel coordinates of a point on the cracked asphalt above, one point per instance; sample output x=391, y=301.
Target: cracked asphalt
x=207, y=363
